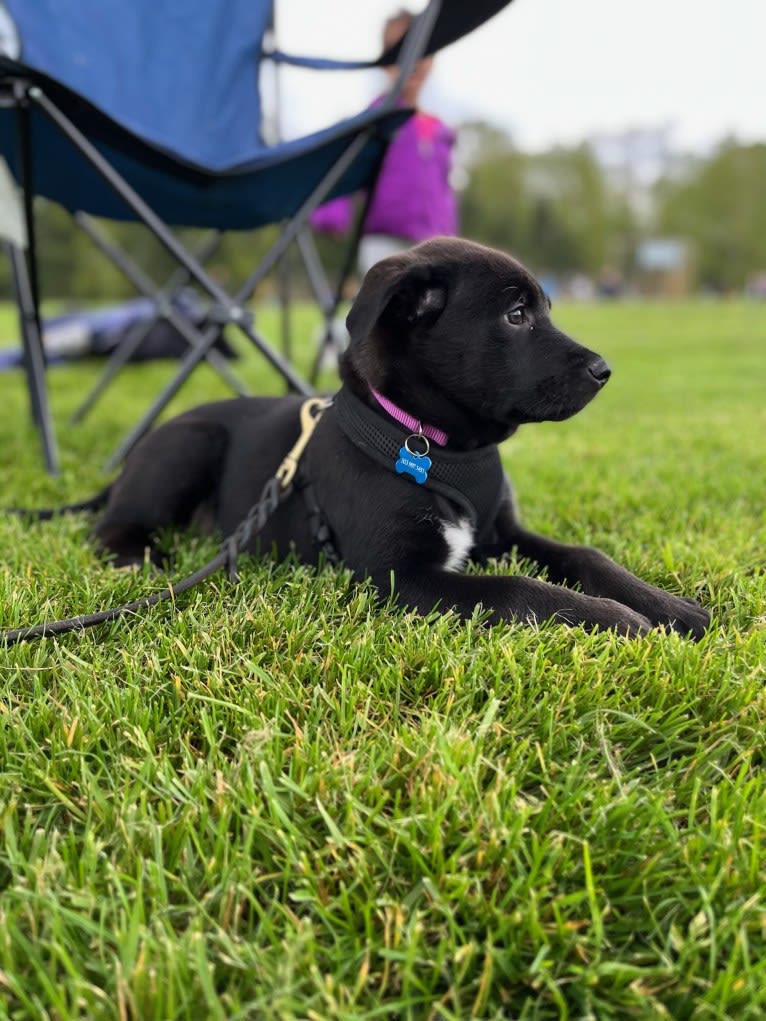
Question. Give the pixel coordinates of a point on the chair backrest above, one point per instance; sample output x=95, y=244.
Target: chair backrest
x=182, y=74
x=455, y=19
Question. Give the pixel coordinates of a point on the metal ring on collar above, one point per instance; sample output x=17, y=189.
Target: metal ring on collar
x=415, y=453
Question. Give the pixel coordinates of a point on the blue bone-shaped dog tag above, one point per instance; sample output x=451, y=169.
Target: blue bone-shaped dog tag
x=416, y=465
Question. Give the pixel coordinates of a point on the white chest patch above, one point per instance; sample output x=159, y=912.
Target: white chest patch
x=459, y=538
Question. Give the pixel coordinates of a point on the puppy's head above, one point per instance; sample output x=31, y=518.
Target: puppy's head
x=460, y=335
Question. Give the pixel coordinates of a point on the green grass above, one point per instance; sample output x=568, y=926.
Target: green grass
x=280, y=801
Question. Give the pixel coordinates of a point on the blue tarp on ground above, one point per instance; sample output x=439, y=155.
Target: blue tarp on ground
x=97, y=332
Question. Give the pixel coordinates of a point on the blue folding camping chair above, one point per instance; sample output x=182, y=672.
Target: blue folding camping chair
x=150, y=111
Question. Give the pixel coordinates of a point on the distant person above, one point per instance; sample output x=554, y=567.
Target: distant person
x=412, y=197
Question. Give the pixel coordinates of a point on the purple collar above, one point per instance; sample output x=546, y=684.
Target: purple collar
x=409, y=421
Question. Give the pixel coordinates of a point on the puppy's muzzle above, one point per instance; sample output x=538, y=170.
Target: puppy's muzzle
x=599, y=371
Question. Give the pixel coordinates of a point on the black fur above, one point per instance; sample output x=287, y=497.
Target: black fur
x=460, y=336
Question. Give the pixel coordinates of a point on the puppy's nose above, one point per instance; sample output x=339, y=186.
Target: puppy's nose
x=600, y=371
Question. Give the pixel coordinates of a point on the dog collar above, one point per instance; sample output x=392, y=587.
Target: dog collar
x=473, y=480
x=409, y=421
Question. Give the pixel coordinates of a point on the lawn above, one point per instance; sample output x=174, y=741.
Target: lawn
x=279, y=800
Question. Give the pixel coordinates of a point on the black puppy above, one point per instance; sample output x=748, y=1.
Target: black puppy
x=452, y=349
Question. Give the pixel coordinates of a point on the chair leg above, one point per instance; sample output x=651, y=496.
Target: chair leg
x=34, y=357
x=144, y=213
x=233, y=307
x=118, y=358
x=284, y=299
x=320, y=287
x=332, y=301
x=164, y=309
x=188, y=364
x=316, y=273
x=327, y=301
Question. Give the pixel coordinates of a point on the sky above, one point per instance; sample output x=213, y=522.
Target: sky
x=554, y=71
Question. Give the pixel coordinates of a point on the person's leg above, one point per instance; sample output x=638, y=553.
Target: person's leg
x=374, y=247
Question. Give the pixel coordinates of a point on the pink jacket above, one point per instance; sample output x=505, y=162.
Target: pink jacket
x=412, y=198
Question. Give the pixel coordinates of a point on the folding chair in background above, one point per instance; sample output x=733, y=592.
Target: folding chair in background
x=150, y=111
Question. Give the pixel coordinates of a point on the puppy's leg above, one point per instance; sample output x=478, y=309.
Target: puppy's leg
x=600, y=576
x=511, y=598
x=172, y=471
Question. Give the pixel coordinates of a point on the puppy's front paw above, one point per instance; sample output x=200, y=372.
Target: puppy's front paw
x=675, y=613
x=685, y=616
x=608, y=615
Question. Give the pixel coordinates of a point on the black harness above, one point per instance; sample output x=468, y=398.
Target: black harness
x=471, y=482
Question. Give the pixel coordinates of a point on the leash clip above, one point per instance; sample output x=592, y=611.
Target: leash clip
x=311, y=412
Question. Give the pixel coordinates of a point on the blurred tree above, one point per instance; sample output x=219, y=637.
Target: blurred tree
x=554, y=210
x=719, y=205
x=494, y=206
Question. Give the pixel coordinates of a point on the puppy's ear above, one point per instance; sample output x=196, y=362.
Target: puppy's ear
x=400, y=293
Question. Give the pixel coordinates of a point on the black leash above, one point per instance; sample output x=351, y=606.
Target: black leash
x=276, y=490
x=48, y=513
x=86, y=620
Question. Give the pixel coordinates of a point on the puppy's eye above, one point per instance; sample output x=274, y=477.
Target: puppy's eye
x=517, y=316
